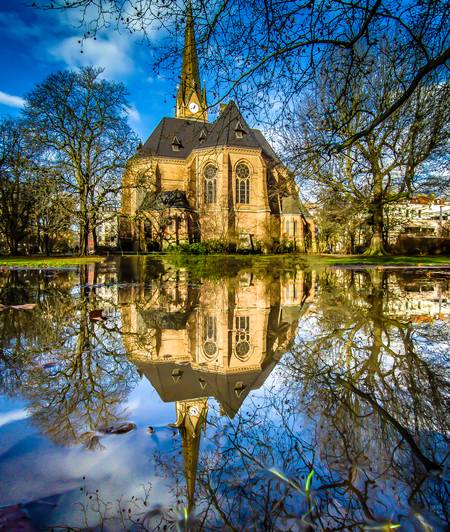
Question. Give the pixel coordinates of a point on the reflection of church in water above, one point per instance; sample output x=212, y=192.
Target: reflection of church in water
x=215, y=340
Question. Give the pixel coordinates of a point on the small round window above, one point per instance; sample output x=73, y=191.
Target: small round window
x=242, y=349
x=242, y=171
x=210, y=348
x=210, y=171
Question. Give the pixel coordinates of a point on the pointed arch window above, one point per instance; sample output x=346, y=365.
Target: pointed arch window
x=242, y=337
x=210, y=336
x=210, y=183
x=242, y=183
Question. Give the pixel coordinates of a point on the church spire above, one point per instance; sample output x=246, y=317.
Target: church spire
x=191, y=420
x=191, y=99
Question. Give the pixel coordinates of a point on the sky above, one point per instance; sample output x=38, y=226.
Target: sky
x=35, y=43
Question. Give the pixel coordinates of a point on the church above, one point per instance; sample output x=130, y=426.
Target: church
x=197, y=181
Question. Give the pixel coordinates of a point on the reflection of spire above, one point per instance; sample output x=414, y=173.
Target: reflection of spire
x=191, y=419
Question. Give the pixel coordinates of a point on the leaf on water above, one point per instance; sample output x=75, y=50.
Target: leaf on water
x=284, y=478
x=26, y=306
x=309, y=480
x=118, y=428
x=96, y=315
x=278, y=474
x=384, y=528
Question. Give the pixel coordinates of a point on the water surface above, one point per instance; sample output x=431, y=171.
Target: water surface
x=265, y=396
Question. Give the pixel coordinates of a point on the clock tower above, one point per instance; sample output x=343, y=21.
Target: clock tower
x=191, y=98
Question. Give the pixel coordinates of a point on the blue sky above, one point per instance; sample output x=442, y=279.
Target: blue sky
x=35, y=43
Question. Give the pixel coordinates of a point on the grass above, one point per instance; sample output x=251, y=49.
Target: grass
x=48, y=262
x=357, y=260
x=220, y=263
x=217, y=264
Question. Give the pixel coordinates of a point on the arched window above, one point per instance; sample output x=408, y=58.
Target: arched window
x=242, y=347
x=210, y=183
x=210, y=336
x=242, y=183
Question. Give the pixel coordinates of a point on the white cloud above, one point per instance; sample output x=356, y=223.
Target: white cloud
x=12, y=101
x=110, y=52
x=133, y=115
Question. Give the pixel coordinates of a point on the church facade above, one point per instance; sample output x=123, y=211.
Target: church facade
x=195, y=180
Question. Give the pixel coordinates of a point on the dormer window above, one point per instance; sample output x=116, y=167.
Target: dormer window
x=176, y=144
x=239, y=130
x=202, y=135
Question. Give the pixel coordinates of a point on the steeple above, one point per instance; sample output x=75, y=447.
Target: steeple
x=191, y=99
x=191, y=420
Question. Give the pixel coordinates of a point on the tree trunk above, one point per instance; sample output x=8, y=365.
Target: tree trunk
x=47, y=245
x=14, y=247
x=84, y=221
x=352, y=242
x=95, y=238
x=84, y=238
x=376, y=247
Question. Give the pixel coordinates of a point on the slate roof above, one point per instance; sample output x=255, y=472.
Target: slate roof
x=162, y=319
x=293, y=205
x=159, y=201
x=195, y=134
x=196, y=383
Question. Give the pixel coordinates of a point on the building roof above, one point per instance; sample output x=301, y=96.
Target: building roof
x=162, y=319
x=229, y=389
x=188, y=135
x=292, y=205
x=159, y=201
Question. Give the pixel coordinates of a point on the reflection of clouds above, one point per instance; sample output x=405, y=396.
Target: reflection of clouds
x=41, y=469
x=296, y=394
x=13, y=415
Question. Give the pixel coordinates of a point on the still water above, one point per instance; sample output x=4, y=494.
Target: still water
x=260, y=396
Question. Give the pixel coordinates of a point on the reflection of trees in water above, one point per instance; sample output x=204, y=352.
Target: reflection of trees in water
x=378, y=388
x=363, y=404
x=361, y=399
x=71, y=369
x=27, y=334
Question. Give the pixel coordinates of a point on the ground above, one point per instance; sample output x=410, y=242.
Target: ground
x=394, y=261
x=54, y=262
x=217, y=261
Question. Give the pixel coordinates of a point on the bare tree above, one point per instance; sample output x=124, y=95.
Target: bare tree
x=80, y=120
x=387, y=164
x=53, y=210
x=264, y=54
x=16, y=184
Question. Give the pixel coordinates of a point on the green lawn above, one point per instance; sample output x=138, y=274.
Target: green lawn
x=395, y=261
x=212, y=265
x=48, y=262
x=218, y=263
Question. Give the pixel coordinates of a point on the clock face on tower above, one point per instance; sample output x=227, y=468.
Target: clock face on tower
x=193, y=107
x=193, y=410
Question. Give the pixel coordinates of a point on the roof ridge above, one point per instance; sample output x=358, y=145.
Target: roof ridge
x=160, y=134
